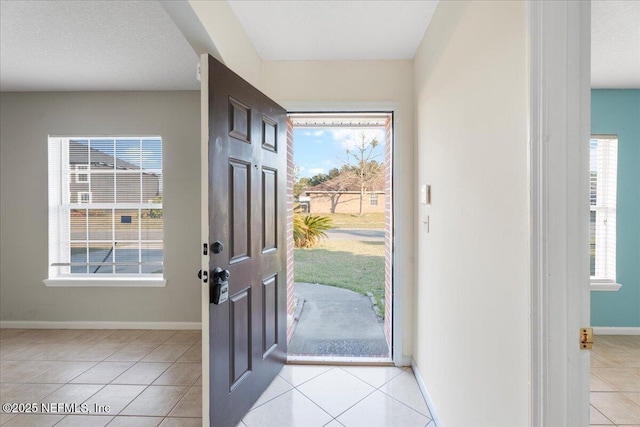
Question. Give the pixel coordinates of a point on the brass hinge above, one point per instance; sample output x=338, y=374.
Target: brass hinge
x=586, y=338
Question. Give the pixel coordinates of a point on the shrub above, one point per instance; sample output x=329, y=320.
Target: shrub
x=309, y=229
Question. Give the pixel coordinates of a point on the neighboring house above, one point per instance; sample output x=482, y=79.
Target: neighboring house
x=98, y=186
x=341, y=194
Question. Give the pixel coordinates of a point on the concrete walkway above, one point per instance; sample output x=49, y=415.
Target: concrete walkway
x=336, y=322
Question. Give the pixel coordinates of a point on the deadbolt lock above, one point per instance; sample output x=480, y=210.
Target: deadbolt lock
x=586, y=338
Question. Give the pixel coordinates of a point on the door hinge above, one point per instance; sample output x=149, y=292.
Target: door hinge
x=586, y=338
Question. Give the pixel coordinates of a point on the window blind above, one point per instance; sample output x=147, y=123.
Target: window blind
x=106, y=206
x=603, y=193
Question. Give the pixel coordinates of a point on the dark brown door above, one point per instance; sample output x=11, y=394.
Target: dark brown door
x=247, y=205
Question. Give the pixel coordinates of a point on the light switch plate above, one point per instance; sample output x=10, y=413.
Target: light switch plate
x=425, y=194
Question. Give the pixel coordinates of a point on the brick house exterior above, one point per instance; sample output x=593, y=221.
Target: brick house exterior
x=341, y=194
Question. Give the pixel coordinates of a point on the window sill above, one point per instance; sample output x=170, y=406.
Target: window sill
x=605, y=285
x=112, y=282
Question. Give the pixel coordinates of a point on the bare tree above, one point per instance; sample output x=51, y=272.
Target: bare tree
x=362, y=163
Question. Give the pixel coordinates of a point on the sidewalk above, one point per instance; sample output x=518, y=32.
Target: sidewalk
x=336, y=322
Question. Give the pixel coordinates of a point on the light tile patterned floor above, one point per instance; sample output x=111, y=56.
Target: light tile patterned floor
x=615, y=380
x=308, y=396
x=153, y=378
x=148, y=378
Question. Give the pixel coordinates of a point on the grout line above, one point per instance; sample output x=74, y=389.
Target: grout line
x=306, y=381
x=335, y=418
x=410, y=407
x=177, y=402
x=607, y=418
x=314, y=402
x=401, y=371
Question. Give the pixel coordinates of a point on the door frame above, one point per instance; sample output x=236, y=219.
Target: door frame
x=400, y=198
x=559, y=42
x=203, y=72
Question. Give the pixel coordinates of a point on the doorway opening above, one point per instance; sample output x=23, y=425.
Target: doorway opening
x=340, y=216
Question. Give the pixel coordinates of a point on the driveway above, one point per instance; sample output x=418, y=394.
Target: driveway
x=367, y=234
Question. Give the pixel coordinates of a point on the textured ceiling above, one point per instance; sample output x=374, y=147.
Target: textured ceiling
x=92, y=45
x=334, y=30
x=134, y=45
x=615, y=44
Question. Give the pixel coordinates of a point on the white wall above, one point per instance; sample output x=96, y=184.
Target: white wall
x=230, y=39
x=26, y=119
x=471, y=331
x=338, y=83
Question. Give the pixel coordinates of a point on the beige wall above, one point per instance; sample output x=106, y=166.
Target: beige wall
x=336, y=84
x=26, y=119
x=471, y=328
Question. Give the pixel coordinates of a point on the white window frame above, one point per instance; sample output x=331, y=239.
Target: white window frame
x=605, y=209
x=81, y=193
x=82, y=170
x=59, y=227
x=373, y=197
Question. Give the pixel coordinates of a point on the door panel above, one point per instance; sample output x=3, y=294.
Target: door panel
x=270, y=315
x=269, y=209
x=239, y=210
x=247, y=188
x=240, y=328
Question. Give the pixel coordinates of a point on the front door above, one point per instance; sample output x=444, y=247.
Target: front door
x=247, y=205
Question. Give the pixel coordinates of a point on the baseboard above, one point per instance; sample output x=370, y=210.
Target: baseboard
x=425, y=394
x=616, y=330
x=39, y=324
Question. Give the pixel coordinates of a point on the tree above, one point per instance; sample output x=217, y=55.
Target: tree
x=362, y=165
x=299, y=183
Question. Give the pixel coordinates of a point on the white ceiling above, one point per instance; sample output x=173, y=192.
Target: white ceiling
x=92, y=45
x=334, y=30
x=615, y=44
x=55, y=45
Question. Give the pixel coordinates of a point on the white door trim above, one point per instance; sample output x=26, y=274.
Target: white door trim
x=559, y=59
x=204, y=227
x=399, y=198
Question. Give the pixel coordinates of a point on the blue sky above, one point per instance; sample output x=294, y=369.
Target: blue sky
x=319, y=150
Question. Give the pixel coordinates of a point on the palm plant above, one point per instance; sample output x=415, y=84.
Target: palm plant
x=309, y=229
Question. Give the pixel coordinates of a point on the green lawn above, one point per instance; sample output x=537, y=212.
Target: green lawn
x=371, y=220
x=348, y=264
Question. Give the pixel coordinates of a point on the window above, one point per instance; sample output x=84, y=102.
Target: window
x=82, y=177
x=373, y=199
x=106, y=222
x=84, y=197
x=602, y=194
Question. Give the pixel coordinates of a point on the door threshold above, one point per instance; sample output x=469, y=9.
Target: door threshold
x=339, y=360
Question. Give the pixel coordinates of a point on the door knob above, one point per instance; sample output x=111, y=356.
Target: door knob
x=220, y=274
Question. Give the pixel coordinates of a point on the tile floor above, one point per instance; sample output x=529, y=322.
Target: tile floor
x=309, y=396
x=615, y=381
x=147, y=378
x=153, y=378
